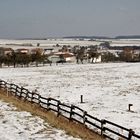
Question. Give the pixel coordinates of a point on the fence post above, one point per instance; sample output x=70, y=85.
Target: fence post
x=84, y=117
x=32, y=97
x=81, y=99
x=6, y=86
x=58, y=108
x=48, y=104
x=21, y=92
x=102, y=127
x=131, y=132
x=0, y=83
x=71, y=112
x=39, y=99
x=16, y=90
x=129, y=107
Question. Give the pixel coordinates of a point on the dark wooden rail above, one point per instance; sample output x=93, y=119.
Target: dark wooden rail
x=71, y=112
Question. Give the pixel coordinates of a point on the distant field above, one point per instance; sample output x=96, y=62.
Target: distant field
x=72, y=42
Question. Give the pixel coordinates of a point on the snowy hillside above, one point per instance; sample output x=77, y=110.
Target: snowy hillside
x=15, y=125
x=107, y=88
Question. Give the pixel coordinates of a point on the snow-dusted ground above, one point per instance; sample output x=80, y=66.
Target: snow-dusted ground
x=15, y=125
x=71, y=42
x=46, y=43
x=107, y=88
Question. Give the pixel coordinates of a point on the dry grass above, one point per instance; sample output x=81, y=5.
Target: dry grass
x=71, y=128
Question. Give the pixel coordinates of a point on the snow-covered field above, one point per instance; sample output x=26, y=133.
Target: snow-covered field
x=107, y=88
x=46, y=43
x=15, y=125
x=71, y=42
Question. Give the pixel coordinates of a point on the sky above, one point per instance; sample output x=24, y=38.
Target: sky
x=58, y=18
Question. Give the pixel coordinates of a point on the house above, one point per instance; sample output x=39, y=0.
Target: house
x=48, y=51
x=54, y=58
x=68, y=57
x=23, y=51
x=97, y=59
x=61, y=57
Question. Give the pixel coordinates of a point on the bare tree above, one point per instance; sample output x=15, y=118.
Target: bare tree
x=80, y=54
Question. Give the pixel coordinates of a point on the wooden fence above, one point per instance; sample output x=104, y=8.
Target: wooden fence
x=73, y=113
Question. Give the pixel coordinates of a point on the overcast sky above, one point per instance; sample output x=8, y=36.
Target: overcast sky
x=57, y=18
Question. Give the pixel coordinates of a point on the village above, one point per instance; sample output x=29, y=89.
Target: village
x=29, y=54
x=70, y=70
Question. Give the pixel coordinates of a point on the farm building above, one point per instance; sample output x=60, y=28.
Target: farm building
x=62, y=56
x=48, y=50
x=25, y=51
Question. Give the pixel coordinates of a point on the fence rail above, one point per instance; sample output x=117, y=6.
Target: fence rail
x=71, y=112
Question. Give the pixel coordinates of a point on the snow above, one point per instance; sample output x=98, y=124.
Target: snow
x=46, y=43
x=107, y=88
x=72, y=42
x=15, y=125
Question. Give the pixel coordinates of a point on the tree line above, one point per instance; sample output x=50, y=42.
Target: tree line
x=23, y=59
x=87, y=53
